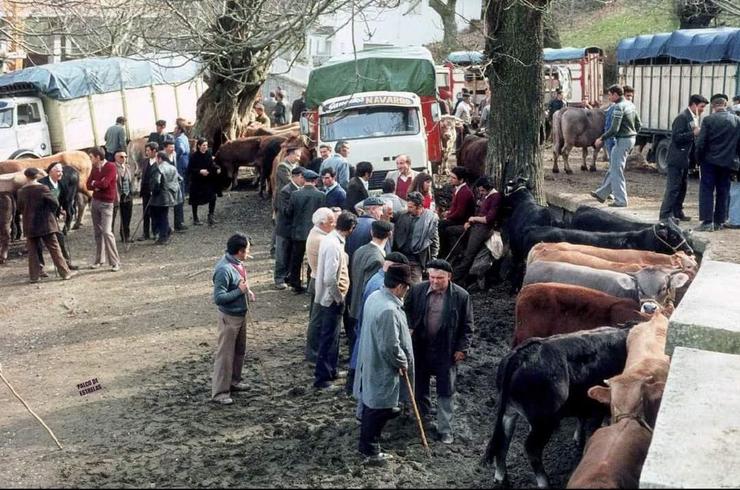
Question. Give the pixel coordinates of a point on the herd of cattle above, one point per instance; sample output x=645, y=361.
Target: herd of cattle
x=592, y=310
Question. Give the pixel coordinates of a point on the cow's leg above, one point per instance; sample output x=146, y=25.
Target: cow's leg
x=592, y=168
x=500, y=447
x=566, y=164
x=584, y=154
x=555, y=156
x=538, y=437
x=81, y=205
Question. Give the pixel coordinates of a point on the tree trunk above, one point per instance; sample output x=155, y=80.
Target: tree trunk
x=550, y=31
x=446, y=11
x=696, y=14
x=515, y=77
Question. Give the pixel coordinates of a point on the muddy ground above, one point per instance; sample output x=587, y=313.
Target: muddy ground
x=147, y=334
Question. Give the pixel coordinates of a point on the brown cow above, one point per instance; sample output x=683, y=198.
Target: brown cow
x=79, y=160
x=306, y=156
x=547, y=309
x=573, y=126
x=241, y=152
x=642, y=258
x=472, y=155
x=614, y=455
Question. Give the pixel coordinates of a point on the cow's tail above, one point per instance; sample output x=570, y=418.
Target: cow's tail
x=557, y=133
x=503, y=378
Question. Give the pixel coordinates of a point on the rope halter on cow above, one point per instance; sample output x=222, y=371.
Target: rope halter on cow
x=677, y=247
x=636, y=417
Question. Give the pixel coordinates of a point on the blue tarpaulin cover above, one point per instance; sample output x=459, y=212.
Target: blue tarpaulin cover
x=80, y=78
x=551, y=54
x=700, y=45
x=466, y=57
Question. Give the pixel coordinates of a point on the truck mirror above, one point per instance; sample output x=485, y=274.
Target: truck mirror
x=305, y=129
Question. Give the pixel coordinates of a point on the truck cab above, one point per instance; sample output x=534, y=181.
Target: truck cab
x=23, y=128
x=379, y=126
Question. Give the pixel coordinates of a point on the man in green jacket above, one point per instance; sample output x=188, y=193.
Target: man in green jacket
x=624, y=128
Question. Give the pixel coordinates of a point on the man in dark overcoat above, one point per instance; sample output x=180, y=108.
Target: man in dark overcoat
x=303, y=204
x=440, y=316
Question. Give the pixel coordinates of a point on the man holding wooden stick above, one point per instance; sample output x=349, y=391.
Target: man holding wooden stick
x=385, y=355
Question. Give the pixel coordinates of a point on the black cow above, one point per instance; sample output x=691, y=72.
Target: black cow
x=523, y=213
x=68, y=189
x=547, y=379
x=663, y=237
x=269, y=149
x=587, y=218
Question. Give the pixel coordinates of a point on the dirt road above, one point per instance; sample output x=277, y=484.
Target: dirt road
x=146, y=334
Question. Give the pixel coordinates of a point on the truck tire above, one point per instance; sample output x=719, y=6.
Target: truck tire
x=661, y=155
x=23, y=155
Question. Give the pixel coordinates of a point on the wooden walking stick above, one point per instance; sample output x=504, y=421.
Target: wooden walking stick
x=424, y=443
x=29, y=408
x=136, y=228
x=457, y=243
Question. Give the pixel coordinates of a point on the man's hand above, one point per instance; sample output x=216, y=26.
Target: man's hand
x=598, y=143
x=458, y=356
x=243, y=286
x=467, y=225
x=697, y=130
x=402, y=371
x=203, y=172
x=251, y=295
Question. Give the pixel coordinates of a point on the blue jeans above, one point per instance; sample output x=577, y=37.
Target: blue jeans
x=614, y=182
x=328, y=356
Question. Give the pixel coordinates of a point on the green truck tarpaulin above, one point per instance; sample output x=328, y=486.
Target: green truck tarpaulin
x=407, y=69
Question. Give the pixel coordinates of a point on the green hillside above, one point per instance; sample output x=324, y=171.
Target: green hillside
x=624, y=18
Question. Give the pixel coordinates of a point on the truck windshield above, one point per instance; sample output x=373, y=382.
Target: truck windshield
x=6, y=118
x=369, y=122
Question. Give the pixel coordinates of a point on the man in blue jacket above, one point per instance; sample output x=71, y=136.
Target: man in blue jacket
x=230, y=290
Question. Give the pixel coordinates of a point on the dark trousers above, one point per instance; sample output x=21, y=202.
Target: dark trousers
x=675, y=193
x=179, y=215
x=62, y=246
x=328, y=355
x=714, y=189
x=211, y=209
x=446, y=240
x=314, y=324
x=373, y=421
x=160, y=221
x=477, y=234
x=298, y=250
x=127, y=209
x=33, y=244
x=147, y=219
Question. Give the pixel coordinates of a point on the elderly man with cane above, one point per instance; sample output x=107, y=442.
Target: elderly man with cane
x=385, y=356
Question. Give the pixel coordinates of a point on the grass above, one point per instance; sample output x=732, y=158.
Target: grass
x=624, y=18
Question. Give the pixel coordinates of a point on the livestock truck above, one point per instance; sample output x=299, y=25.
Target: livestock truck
x=579, y=71
x=383, y=101
x=69, y=105
x=666, y=68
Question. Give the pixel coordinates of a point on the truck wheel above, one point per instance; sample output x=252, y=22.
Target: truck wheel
x=661, y=155
x=23, y=155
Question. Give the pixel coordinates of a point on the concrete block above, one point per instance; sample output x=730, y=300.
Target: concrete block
x=696, y=441
x=709, y=314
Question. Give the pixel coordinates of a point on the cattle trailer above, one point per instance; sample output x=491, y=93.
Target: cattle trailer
x=666, y=69
x=585, y=71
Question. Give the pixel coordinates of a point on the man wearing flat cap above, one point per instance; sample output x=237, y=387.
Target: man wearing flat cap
x=385, y=356
x=717, y=151
x=284, y=228
x=440, y=315
x=416, y=235
x=365, y=262
x=372, y=210
x=303, y=203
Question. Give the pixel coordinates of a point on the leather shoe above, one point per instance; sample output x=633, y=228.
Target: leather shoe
x=240, y=387
x=683, y=217
x=143, y=238
x=223, y=400
x=617, y=205
x=598, y=197
x=69, y=276
x=73, y=267
x=708, y=227
x=447, y=438
x=380, y=459
x=730, y=226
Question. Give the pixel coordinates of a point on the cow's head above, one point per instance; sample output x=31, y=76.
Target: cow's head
x=634, y=395
x=657, y=287
x=671, y=238
x=515, y=185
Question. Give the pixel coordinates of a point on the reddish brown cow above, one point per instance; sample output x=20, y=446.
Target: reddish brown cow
x=472, y=155
x=306, y=155
x=547, y=309
x=237, y=153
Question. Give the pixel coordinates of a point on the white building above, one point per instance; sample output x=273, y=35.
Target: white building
x=413, y=23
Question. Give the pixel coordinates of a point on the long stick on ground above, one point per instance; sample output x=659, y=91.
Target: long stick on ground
x=416, y=411
x=136, y=228
x=29, y=408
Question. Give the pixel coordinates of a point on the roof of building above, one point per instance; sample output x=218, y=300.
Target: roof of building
x=699, y=45
x=80, y=78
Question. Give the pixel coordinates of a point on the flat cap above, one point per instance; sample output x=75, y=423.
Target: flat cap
x=309, y=174
x=297, y=171
x=373, y=201
x=399, y=273
x=439, y=264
